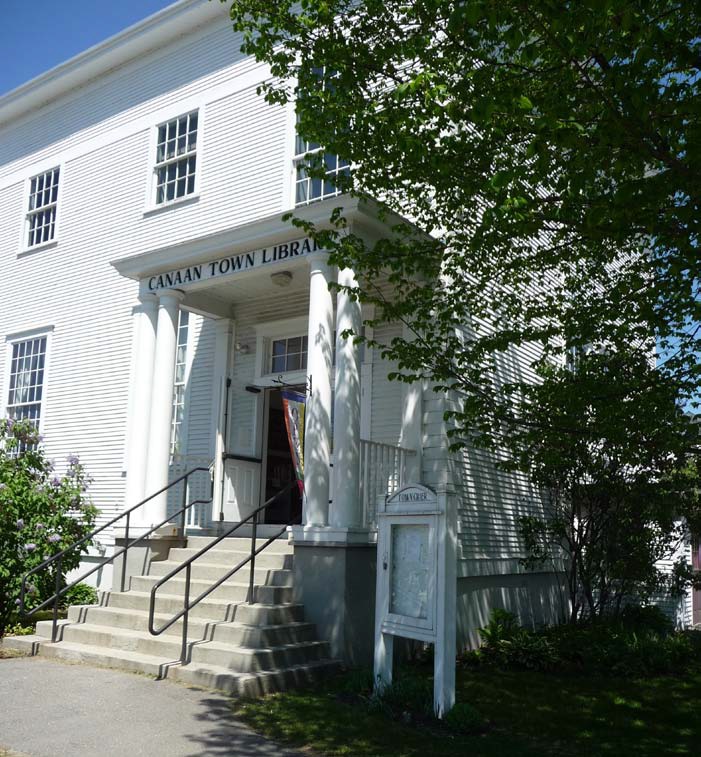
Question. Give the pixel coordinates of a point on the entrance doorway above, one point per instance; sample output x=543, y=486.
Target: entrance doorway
x=279, y=469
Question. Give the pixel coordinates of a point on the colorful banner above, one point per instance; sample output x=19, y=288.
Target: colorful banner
x=293, y=405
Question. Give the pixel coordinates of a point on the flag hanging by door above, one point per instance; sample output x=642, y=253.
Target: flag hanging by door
x=293, y=404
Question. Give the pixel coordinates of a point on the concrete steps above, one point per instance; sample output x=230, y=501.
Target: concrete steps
x=243, y=649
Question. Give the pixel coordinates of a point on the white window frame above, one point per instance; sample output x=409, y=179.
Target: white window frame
x=299, y=157
x=266, y=333
x=24, y=246
x=154, y=164
x=25, y=336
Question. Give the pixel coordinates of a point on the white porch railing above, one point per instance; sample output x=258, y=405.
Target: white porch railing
x=383, y=470
x=199, y=487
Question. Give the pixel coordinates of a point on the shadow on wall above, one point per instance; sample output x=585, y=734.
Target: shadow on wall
x=491, y=503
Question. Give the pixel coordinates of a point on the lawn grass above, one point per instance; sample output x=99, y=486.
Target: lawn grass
x=527, y=714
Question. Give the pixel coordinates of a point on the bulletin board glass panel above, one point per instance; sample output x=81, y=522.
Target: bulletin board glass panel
x=410, y=570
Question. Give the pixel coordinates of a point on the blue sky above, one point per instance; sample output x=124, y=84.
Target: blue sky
x=36, y=35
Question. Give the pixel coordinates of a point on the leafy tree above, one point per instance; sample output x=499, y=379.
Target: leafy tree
x=40, y=514
x=546, y=156
x=620, y=477
x=550, y=149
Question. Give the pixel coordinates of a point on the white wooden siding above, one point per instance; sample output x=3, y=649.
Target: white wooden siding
x=101, y=135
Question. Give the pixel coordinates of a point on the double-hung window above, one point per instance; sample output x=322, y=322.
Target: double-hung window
x=41, y=213
x=26, y=375
x=322, y=181
x=289, y=354
x=176, y=159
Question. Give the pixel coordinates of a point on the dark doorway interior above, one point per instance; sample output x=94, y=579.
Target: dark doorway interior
x=696, y=596
x=279, y=470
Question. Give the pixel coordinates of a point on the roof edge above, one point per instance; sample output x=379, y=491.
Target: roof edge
x=153, y=31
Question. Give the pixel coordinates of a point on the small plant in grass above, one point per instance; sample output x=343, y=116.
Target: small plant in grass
x=464, y=718
x=41, y=513
x=407, y=697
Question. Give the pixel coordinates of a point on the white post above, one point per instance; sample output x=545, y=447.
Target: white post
x=346, y=509
x=317, y=427
x=446, y=609
x=138, y=423
x=162, y=403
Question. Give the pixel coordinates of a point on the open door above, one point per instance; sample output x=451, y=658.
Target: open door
x=278, y=466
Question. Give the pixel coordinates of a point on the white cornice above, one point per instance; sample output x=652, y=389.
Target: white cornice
x=361, y=214
x=153, y=32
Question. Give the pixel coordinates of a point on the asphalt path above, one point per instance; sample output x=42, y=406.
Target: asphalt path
x=54, y=709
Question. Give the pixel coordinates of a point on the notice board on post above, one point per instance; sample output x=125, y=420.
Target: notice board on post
x=416, y=583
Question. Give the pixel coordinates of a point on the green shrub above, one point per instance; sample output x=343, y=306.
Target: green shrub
x=464, y=718
x=646, y=618
x=40, y=514
x=80, y=594
x=640, y=643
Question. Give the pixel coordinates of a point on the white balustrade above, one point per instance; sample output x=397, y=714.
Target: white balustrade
x=198, y=487
x=383, y=470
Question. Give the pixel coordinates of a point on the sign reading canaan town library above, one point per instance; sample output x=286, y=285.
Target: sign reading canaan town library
x=233, y=264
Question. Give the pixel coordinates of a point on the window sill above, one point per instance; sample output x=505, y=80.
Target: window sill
x=152, y=210
x=26, y=251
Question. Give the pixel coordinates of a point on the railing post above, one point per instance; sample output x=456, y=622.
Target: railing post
x=59, y=575
x=186, y=607
x=254, y=532
x=184, y=504
x=122, y=583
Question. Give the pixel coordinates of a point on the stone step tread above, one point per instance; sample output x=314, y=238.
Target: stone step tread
x=238, y=552
x=131, y=633
x=204, y=582
x=214, y=602
x=221, y=646
x=239, y=542
x=222, y=674
x=224, y=567
x=219, y=670
x=101, y=653
x=192, y=621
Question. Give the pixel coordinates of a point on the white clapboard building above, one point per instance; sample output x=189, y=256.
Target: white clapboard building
x=154, y=305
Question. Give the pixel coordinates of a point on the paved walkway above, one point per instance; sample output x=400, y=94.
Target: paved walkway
x=53, y=709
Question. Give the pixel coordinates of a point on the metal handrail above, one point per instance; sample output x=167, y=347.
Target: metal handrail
x=58, y=557
x=187, y=566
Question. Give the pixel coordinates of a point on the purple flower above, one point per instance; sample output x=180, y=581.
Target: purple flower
x=20, y=523
x=54, y=538
x=39, y=526
x=73, y=460
x=55, y=481
x=30, y=546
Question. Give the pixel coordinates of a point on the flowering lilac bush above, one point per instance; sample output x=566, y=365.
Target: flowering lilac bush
x=41, y=513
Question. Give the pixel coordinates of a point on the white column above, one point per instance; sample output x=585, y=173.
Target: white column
x=317, y=427
x=140, y=410
x=162, y=403
x=346, y=509
x=412, y=422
